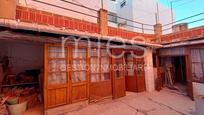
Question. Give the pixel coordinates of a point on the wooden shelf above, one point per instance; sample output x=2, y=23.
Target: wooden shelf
x=20, y=84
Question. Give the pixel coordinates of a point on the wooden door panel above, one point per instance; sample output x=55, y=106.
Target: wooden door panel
x=57, y=97
x=141, y=85
x=190, y=89
x=100, y=90
x=189, y=74
x=131, y=83
x=140, y=73
x=130, y=78
x=79, y=93
x=79, y=76
x=120, y=88
x=56, y=77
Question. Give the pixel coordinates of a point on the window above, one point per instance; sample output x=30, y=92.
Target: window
x=123, y=3
x=100, y=64
x=112, y=17
x=197, y=64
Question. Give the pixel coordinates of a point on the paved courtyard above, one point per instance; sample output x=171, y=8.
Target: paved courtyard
x=166, y=102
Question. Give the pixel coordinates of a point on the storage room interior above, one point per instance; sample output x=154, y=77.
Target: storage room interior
x=21, y=72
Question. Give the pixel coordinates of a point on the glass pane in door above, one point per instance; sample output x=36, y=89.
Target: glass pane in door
x=79, y=76
x=79, y=70
x=119, y=69
x=57, y=65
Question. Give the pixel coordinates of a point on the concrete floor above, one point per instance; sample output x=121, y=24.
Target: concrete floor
x=166, y=102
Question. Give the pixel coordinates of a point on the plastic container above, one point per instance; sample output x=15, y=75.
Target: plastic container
x=12, y=101
x=17, y=109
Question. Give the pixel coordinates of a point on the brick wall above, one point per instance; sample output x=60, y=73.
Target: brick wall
x=41, y=17
x=129, y=34
x=36, y=16
x=183, y=35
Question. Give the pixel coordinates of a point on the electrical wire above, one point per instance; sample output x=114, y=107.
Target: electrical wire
x=184, y=19
x=65, y=8
x=184, y=3
x=135, y=26
x=79, y=5
x=130, y=20
x=196, y=21
x=188, y=23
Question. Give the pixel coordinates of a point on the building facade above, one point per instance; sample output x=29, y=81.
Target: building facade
x=83, y=58
x=147, y=12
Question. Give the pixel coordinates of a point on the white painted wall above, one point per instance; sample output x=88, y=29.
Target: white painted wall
x=112, y=7
x=143, y=11
x=198, y=89
x=125, y=12
x=23, y=55
x=94, y=4
x=149, y=70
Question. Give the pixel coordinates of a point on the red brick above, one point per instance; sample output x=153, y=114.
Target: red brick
x=50, y=20
x=38, y=17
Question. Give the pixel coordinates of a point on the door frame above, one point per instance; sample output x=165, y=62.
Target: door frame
x=69, y=84
x=133, y=77
x=188, y=68
x=70, y=71
x=57, y=86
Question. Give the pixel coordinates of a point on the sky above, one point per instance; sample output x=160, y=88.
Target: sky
x=186, y=8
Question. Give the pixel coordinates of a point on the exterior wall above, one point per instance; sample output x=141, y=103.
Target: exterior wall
x=165, y=17
x=144, y=12
x=149, y=71
x=10, y=6
x=125, y=12
x=198, y=89
x=178, y=51
x=184, y=35
x=112, y=7
x=94, y=4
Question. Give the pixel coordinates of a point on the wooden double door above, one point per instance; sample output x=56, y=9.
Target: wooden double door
x=66, y=75
x=134, y=73
x=127, y=73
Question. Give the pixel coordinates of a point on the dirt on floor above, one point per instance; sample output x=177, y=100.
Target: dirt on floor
x=165, y=102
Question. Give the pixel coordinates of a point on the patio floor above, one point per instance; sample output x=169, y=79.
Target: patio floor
x=165, y=102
